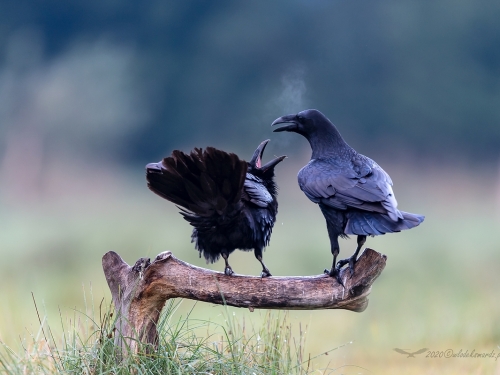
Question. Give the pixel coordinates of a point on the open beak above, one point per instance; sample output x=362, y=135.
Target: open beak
x=257, y=158
x=291, y=120
x=257, y=155
x=273, y=163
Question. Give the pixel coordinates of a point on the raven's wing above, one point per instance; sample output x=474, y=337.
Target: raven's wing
x=359, y=183
x=256, y=192
x=261, y=208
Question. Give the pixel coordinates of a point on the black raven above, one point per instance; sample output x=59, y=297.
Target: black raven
x=230, y=203
x=353, y=192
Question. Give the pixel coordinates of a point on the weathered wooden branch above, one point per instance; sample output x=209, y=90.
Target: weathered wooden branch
x=140, y=292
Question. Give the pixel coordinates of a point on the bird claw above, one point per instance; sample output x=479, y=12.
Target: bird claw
x=334, y=272
x=342, y=263
x=228, y=271
x=351, y=261
x=265, y=273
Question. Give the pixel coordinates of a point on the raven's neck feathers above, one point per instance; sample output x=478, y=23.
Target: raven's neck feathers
x=326, y=141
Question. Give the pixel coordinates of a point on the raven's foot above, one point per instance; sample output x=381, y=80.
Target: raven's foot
x=335, y=272
x=351, y=261
x=228, y=271
x=265, y=273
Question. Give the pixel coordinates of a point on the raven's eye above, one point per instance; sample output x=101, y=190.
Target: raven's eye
x=300, y=118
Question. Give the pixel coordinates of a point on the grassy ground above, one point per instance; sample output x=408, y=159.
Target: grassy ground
x=186, y=346
x=439, y=289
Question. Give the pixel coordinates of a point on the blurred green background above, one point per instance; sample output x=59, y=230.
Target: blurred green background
x=90, y=91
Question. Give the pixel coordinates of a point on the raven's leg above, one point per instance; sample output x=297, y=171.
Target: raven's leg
x=228, y=270
x=353, y=258
x=335, y=248
x=334, y=224
x=258, y=254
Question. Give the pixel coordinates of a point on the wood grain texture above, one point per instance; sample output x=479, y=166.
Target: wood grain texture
x=140, y=292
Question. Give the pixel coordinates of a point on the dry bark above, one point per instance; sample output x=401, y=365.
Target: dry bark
x=140, y=292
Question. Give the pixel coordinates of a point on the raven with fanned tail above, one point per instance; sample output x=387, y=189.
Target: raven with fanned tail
x=230, y=203
x=353, y=192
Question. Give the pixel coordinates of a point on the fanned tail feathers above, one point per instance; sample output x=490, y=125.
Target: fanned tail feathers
x=203, y=183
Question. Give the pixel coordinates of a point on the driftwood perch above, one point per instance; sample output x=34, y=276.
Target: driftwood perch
x=140, y=292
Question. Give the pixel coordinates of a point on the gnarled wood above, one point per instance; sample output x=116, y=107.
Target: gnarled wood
x=140, y=292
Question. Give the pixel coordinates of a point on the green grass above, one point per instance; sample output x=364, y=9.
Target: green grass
x=186, y=346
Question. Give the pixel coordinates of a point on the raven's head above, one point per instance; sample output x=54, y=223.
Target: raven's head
x=255, y=164
x=323, y=136
x=304, y=123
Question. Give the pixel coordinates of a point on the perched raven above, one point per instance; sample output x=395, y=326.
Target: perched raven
x=354, y=194
x=230, y=203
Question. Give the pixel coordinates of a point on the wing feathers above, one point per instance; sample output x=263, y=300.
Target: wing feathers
x=256, y=191
x=364, y=187
x=373, y=224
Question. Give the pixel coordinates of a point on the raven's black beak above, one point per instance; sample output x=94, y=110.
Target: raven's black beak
x=272, y=163
x=154, y=167
x=257, y=155
x=290, y=119
x=256, y=160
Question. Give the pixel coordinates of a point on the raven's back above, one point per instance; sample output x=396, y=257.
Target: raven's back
x=355, y=195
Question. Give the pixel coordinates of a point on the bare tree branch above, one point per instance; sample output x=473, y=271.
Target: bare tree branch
x=140, y=292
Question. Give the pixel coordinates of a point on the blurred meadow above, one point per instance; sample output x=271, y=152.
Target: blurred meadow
x=92, y=91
